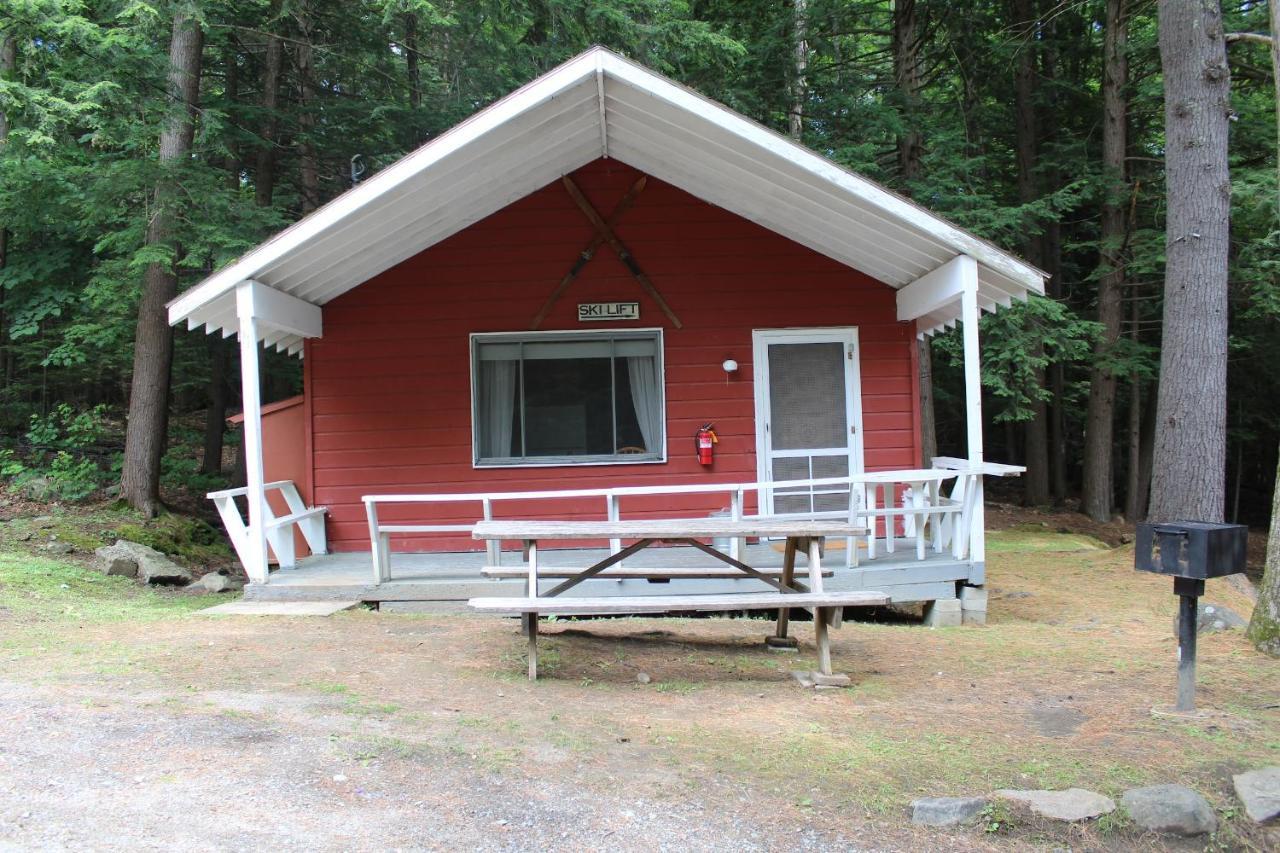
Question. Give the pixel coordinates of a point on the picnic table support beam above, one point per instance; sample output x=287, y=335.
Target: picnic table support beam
x=780, y=640
x=530, y=627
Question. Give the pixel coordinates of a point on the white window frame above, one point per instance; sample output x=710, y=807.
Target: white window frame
x=478, y=338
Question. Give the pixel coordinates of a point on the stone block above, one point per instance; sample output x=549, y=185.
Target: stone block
x=943, y=613
x=946, y=811
x=1259, y=790
x=1070, y=805
x=973, y=617
x=1173, y=809
x=973, y=597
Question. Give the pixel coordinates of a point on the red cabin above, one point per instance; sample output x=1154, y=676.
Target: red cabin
x=573, y=290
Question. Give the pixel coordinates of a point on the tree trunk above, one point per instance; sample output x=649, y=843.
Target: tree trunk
x=215, y=420
x=8, y=61
x=928, y=418
x=1026, y=150
x=308, y=167
x=265, y=173
x=908, y=78
x=413, y=72
x=148, y=422
x=1189, y=481
x=1264, y=627
x=1051, y=263
x=1099, y=475
x=910, y=145
x=799, y=83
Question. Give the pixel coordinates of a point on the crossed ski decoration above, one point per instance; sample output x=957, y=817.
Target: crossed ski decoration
x=605, y=234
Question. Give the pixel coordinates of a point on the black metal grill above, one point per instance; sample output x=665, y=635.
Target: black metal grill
x=1191, y=552
x=1191, y=549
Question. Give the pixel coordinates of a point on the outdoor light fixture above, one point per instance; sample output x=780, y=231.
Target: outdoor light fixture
x=730, y=366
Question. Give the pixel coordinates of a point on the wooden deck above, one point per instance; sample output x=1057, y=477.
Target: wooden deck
x=454, y=577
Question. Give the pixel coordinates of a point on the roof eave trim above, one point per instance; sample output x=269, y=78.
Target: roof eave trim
x=485, y=121
x=890, y=202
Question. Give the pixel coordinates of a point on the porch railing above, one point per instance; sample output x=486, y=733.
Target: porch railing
x=930, y=509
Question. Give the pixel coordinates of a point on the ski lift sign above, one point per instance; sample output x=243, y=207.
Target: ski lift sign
x=593, y=312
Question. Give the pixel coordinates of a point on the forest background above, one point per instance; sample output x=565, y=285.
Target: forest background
x=1038, y=124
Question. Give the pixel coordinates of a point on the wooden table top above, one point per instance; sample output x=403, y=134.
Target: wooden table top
x=667, y=528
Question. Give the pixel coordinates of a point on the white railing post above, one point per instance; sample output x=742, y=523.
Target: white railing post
x=969, y=316
x=492, y=548
x=371, y=510
x=255, y=553
x=738, y=543
x=613, y=513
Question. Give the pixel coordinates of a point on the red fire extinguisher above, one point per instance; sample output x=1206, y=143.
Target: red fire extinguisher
x=705, y=440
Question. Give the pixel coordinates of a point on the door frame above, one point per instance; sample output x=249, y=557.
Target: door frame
x=760, y=341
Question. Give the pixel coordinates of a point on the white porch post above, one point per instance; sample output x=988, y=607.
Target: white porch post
x=260, y=308
x=255, y=556
x=969, y=315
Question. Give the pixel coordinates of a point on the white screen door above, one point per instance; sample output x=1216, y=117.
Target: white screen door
x=808, y=416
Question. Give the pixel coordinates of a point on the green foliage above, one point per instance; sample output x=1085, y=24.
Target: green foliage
x=1018, y=345
x=178, y=535
x=60, y=460
x=87, y=98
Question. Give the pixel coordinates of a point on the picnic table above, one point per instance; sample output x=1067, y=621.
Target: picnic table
x=785, y=592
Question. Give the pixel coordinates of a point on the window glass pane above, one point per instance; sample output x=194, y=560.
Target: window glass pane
x=497, y=415
x=548, y=396
x=568, y=407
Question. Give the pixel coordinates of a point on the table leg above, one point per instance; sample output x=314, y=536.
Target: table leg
x=531, y=629
x=824, y=641
x=780, y=640
x=815, y=564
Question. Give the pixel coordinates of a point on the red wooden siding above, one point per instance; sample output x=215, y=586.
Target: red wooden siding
x=388, y=386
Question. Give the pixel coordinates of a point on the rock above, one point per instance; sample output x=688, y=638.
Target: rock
x=1211, y=618
x=1174, y=809
x=216, y=582
x=43, y=521
x=1126, y=538
x=946, y=811
x=1259, y=790
x=24, y=536
x=112, y=491
x=643, y=677
x=1071, y=804
x=56, y=547
x=150, y=566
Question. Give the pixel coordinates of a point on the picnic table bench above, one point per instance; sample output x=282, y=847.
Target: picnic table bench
x=785, y=593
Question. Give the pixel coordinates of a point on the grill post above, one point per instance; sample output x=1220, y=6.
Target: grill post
x=1189, y=551
x=1188, y=591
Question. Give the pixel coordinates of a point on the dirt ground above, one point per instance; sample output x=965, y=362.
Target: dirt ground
x=129, y=722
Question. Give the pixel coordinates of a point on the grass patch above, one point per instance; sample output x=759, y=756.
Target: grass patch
x=1034, y=538
x=48, y=590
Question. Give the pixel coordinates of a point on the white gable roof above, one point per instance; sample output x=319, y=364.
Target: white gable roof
x=600, y=104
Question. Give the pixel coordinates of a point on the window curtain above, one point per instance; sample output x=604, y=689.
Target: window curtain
x=497, y=408
x=642, y=371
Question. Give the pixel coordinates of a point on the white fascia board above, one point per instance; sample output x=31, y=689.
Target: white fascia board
x=369, y=192
x=933, y=290
x=274, y=309
x=868, y=191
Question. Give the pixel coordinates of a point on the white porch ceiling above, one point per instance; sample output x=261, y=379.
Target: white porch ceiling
x=600, y=104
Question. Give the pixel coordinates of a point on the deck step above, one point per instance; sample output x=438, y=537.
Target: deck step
x=597, y=606
x=279, y=608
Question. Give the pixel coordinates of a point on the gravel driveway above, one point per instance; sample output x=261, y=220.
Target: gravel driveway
x=89, y=769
